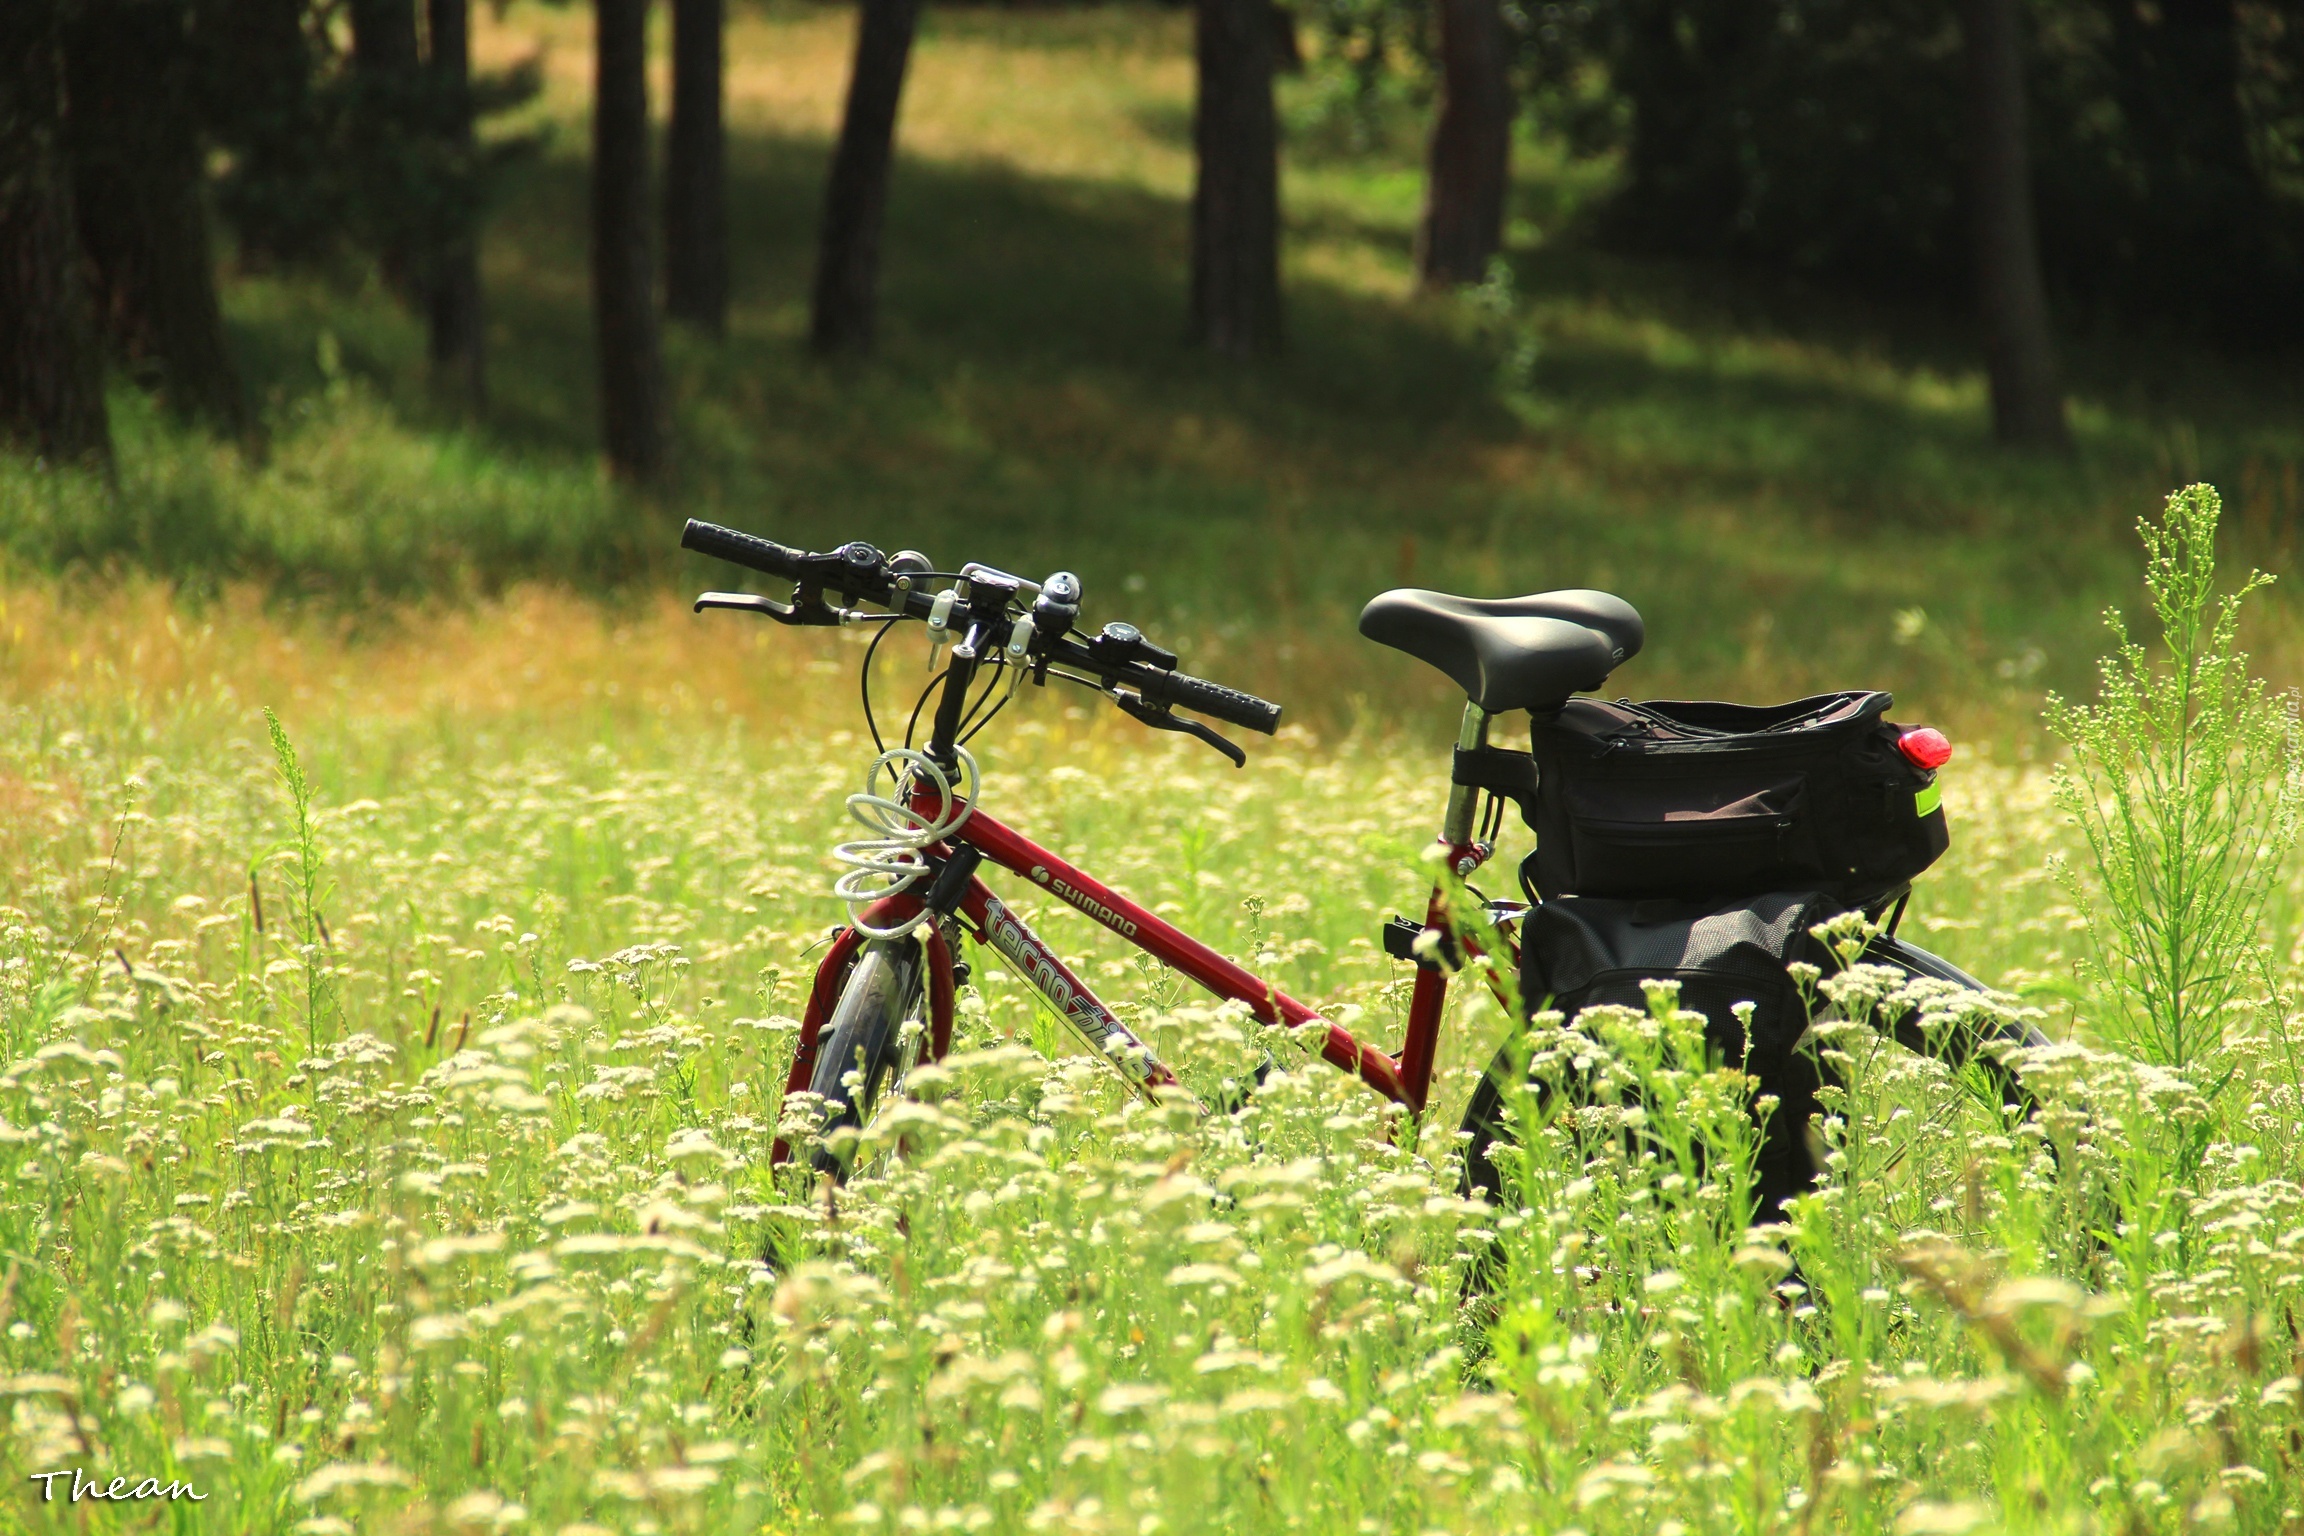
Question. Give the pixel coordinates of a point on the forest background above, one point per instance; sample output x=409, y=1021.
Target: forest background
x=344, y=301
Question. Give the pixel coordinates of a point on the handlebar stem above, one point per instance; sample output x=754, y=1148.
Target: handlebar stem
x=973, y=571
x=954, y=699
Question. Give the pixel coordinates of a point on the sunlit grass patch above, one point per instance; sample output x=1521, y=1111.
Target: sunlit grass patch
x=481, y=1242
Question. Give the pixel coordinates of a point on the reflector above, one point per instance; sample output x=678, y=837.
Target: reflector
x=1925, y=747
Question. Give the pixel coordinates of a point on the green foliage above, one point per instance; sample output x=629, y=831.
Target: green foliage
x=1371, y=80
x=320, y=160
x=1752, y=127
x=353, y=500
x=313, y=941
x=2187, y=777
x=1830, y=138
x=410, y=178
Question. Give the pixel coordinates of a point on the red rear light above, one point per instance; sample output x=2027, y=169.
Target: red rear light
x=1925, y=747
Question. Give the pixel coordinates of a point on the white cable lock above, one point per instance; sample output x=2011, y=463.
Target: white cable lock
x=880, y=867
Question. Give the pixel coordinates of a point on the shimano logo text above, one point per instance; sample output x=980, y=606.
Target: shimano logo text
x=1092, y=907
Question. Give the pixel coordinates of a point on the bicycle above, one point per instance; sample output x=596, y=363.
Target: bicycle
x=885, y=991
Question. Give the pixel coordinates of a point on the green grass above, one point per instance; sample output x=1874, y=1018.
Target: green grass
x=456, y=1212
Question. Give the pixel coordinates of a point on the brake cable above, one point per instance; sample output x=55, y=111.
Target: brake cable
x=871, y=723
x=968, y=731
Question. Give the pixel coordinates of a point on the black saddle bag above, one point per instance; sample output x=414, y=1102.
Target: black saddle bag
x=1694, y=800
x=1579, y=953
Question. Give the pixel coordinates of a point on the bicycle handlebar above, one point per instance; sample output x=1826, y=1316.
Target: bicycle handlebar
x=1213, y=700
x=744, y=549
x=858, y=571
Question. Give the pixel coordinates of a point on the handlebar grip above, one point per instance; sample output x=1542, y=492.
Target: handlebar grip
x=756, y=554
x=1212, y=699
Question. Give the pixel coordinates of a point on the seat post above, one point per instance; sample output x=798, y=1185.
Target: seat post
x=1463, y=799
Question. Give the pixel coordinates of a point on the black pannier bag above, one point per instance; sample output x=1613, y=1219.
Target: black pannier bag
x=1697, y=799
x=1580, y=952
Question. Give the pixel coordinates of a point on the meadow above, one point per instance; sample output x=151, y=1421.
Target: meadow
x=400, y=1161
x=385, y=1109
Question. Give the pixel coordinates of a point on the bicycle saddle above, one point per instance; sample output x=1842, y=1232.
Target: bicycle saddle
x=1510, y=652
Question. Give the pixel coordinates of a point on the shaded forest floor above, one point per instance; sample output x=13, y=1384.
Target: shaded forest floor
x=1798, y=491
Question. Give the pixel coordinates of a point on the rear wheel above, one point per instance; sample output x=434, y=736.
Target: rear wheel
x=1977, y=1094
x=876, y=1033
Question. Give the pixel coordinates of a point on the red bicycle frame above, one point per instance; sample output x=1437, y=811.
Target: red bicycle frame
x=1405, y=1077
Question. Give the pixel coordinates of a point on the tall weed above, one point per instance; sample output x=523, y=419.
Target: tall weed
x=2187, y=778
x=311, y=929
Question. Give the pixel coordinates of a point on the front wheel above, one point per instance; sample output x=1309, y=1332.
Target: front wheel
x=871, y=1041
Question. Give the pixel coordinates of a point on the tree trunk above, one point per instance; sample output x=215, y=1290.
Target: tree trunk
x=1236, y=195
x=136, y=184
x=389, y=77
x=623, y=286
x=856, y=198
x=1287, y=45
x=695, y=173
x=2027, y=406
x=459, y=336
x=1464, y=197
x=51, y=370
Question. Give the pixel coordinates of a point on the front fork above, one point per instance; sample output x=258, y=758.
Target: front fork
x=832, y=975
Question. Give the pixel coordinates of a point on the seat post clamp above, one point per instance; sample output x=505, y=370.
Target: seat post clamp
x=1500, y=771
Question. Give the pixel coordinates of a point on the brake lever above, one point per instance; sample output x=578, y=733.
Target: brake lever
x=1164, y=720
x=808, y=609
